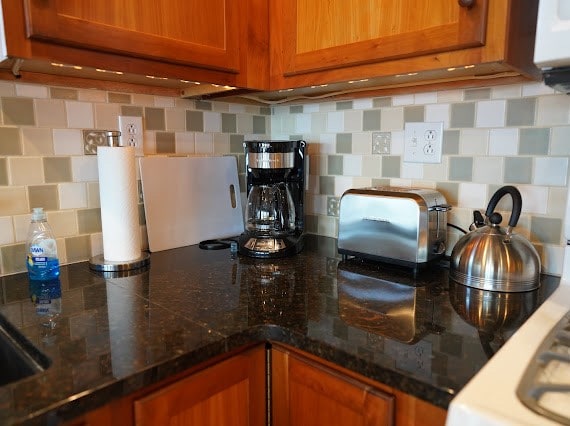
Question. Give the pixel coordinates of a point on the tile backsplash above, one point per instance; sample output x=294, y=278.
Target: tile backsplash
x=516, y=134
x=504, y=135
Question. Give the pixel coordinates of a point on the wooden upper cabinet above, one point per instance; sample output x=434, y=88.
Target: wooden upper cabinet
x=192, y=32
x=327, y=34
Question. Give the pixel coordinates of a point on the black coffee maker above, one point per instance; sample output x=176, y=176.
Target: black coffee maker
x=274, y=216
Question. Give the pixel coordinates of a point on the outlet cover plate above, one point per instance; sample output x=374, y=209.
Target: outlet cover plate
x=423, y=142
x=131, y=128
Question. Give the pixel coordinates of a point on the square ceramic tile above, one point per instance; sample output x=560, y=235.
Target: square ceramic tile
x=89, y=221
x=185, y=142
x=343, y=105
x=13, y=200
x=11, y=141
x=556, y=202
x=204, y=143
x=37, y=141
x=397, y=143
x=6, y=230
x=399, y=100
x=392, y=119
x=26, y=170
x=18, y=112
x=391, y=166
x=79, y=115
x=518, y=170
x=449, y=96
x=4, y=176
x=550, y=171
x=50, y=113
x=477, y=94
x=352, y=121
x=472, y=195
x=165, y=143
x=107, y=116
x=560, y=141
x=352, y=165
x=436, y=172
x=302, y=123
x=461, y=168
x=451, y=142
x=474, y=142
x=553, y=110
x=78, y=248
x=335, y=121
x=546, y=230
x=259, y=124
x=521, y=112
x=425, y=98
x=175, y=120
x=84, y=169
x=487, y=170
x=503, y=142
x=154, y=119
x=412, y=171
x=212, y=122
x=194, y=121
x=362, y=103
x=371, y=119
x=326, y=185
x=437, y=112
x=221, y=144
x=12, y=256
x=72, y=195
x=70, y=142
x=506, y=92
x=344, y=143
x=536, y=89
x=534, y=141
x=381, y=102
x=462, y=115
x=164, y=102
x=7, y=89
x=93, y=196
x=414, y=113
x=534, y=199
x=63, y=93
x=45, y=196
x=490, y=113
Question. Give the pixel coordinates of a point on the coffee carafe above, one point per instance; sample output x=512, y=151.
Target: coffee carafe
x=275, y=178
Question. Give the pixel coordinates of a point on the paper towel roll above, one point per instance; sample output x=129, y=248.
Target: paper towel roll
x=119, y=208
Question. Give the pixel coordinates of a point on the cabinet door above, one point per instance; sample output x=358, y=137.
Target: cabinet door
x=229, y=393
x=321, y=35
x=306, y=393
x=191, y=32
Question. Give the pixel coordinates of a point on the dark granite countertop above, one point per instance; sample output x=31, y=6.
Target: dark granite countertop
x=414, y=332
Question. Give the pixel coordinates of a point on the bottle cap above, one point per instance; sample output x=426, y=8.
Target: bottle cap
x=38, y=213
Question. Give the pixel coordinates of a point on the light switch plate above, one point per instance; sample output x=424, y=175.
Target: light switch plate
x=423, y=142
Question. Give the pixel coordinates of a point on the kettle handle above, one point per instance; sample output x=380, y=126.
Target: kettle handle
x=517, y=203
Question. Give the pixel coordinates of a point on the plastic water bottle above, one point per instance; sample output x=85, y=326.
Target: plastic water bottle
x=41, y=248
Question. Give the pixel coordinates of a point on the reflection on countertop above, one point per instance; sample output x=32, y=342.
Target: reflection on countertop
x=117, y=334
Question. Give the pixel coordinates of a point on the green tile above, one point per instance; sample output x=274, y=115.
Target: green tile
x=296, y=109
x=381, y=102
x=131, y=111
x=57, y=169
x=11, y=142
x=414, y=114
x=229, y=123
x=477, y=94
x=203, y=105
x=534, y=141
x=344, y=143
x=78, y=248
x=546, y=230
x=560, y=141
x=236, y=144
x=450, y=142
x=344, y=105
x=155, y=118
x=89, y=221
x=461, y=168
x=13, y=258
x=63, y=93
x=295, y=137
x=450, y=190
x=521, y=112
x=118, y=98
x=3, y=172
x=326, y=185
x=259, y=125
x=518, y=170
x=334, y=165
x=43, y=196
x=165, y=143
x=371, y=120
x=391, y=166
x=463, y=115
x=265, y=111
x=18, y=111
x=194, y=121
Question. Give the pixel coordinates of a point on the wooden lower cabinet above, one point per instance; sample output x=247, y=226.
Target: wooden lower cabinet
x=305, y=390
x=308, y=391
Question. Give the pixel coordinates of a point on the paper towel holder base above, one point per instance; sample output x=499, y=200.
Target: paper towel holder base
x=99, y=263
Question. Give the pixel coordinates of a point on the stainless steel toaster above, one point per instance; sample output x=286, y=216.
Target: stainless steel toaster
x=398, y=225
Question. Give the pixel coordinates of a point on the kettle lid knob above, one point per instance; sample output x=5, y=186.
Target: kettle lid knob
x=495, y=218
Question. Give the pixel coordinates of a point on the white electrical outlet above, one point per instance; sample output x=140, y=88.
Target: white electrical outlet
x=132, y=133
x=423, y=142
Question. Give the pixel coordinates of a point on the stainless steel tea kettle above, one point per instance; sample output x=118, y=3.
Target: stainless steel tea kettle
x=494, y=258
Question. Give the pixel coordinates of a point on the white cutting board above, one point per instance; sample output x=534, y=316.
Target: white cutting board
x=188, y=200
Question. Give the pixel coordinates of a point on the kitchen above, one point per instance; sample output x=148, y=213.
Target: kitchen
x=513, y=133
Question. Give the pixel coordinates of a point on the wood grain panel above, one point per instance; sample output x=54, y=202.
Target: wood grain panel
x=180, y=31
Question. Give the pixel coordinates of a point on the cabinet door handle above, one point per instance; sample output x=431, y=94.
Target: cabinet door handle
x=466, y=3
